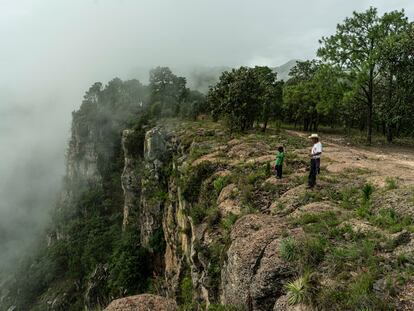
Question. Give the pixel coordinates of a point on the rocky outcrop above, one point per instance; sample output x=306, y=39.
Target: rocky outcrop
x=155, y=145
x=131, y=180
x=154, y=186
x=144, y=302
x=177, y=232
x=254, y=274
x=283, y=305
x=144, y=183
x=82, y=157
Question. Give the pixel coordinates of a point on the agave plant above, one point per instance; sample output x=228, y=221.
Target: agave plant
x=302, y=289
x=297, y=290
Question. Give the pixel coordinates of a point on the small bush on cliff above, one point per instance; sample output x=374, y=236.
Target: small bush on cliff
x=191, y=186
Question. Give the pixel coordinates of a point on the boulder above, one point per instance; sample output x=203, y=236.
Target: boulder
x=283, y=305
x=143, y=302
x=225, y=201
x=254, y=274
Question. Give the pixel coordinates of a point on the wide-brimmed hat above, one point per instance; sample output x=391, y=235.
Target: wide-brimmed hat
x=313, y=136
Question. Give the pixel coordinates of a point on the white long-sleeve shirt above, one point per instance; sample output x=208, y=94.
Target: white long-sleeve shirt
x=316, y=150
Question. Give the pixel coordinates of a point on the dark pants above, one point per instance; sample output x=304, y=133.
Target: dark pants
x=279, y=171
x=312, y=173
x=318, y=166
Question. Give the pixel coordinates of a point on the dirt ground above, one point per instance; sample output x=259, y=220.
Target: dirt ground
x=382, y=162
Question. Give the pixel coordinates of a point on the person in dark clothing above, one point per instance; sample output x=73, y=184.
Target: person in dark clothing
x=279, y=162
x=312, y=174
x=315, y=160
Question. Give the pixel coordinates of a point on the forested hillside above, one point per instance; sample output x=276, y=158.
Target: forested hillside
x=170, y=192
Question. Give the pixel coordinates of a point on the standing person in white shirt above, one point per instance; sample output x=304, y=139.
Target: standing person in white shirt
x=315, y=164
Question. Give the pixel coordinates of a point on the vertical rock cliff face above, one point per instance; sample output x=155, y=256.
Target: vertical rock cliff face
x=154, y=187
x=131, y=180
x=81, y=168
x=82, y=156
x=155, y=195
x=176, y=228
x=145, y=182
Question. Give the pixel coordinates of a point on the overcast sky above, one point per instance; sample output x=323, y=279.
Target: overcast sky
x=51, y=51
x=50, y=44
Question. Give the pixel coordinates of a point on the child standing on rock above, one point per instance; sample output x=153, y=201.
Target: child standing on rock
x=279, y=162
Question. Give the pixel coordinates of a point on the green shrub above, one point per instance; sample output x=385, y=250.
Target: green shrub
x=289, y=249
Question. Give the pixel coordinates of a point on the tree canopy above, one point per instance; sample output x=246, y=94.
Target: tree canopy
x=245, y=95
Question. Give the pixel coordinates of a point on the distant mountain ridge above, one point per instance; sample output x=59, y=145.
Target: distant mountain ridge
x=283, y=70
x=200, y=78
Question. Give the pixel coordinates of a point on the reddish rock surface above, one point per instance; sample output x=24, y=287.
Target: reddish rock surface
x=145, y=302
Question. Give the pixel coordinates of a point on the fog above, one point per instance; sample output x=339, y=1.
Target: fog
x=53, y=50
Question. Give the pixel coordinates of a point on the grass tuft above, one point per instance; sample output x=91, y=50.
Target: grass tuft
x=289, y=249
x=391, y=183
